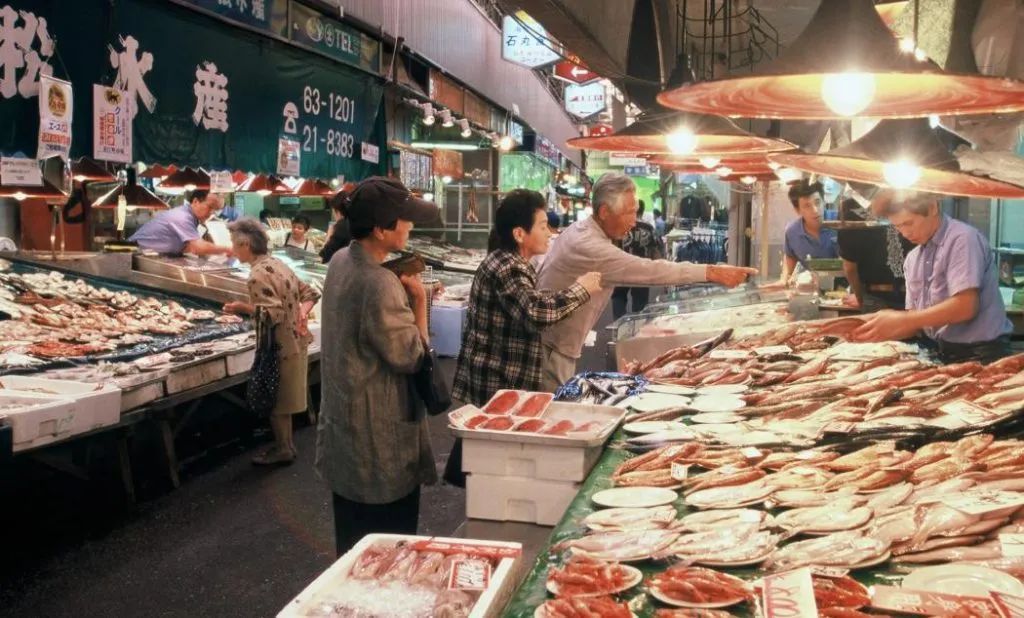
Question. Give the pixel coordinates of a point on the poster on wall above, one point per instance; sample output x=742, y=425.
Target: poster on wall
x=55, y=109
x=112, y=127
x=289, y=153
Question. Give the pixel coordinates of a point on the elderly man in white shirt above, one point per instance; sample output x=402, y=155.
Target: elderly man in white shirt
x=588, y=246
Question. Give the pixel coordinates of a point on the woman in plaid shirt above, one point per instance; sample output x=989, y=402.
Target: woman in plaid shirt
x=501, y=345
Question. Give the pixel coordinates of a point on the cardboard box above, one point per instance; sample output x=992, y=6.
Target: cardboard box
x=510, y=498
x=318, y=595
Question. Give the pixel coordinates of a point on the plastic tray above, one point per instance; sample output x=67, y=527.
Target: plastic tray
x=556, y=411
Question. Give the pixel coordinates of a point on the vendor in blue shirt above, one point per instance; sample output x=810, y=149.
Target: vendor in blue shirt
x=805, y=238
x=176, y=231
x=953, y=294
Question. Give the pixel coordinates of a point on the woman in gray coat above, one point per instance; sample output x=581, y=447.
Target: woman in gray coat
x=373, y=448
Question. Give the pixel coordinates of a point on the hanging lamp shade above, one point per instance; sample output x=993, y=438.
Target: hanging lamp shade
x=902, y=154
x=890, y=11
x=847, y=63
x=314, y=187
x=45, y=191
x=136, y=196
x=185, y=180
x=238, y=177
x=674, y=133
x=87, y=170
x=695, y=165
x=264, y=185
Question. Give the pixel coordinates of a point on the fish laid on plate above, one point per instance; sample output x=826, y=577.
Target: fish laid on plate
x=842, y=549
x=840, y=514
x=621, y=546
x=628, y=518
x=699, y=586
x=724, y=518
x=729, y=497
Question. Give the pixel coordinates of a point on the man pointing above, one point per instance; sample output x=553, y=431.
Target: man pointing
x=589, y=246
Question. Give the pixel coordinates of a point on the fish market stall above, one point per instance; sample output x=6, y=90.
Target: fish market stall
x=794, y=454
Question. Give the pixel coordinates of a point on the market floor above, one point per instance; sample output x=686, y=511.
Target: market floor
x=233, y=540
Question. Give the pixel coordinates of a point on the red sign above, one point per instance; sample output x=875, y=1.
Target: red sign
x=575, y=73
x=599, y=130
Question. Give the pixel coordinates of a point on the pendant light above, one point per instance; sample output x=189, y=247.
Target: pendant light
x=902, y=154
x=848, y=63
x=135, y=196
x=674, y=133
x=87, y=170
x=736, y=165
x=185, y=180
x=264, y=185
x=314, y=187
x=45, y=191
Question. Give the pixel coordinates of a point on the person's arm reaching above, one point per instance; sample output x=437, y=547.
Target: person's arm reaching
x=202, y=247
x=536, y=309
x=619, y=268
x=895, y=325
x=788, y=267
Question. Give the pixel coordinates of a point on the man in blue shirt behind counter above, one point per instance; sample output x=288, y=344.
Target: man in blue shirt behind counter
x=805, y=238
x=952, y=287
x=176, y=231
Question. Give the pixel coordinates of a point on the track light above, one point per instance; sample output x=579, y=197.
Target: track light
x=464, y=125
x=428, y=114
x=505, y=143
x=446, y=119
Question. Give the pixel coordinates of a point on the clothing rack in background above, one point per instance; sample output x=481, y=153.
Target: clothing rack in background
x=701, y=244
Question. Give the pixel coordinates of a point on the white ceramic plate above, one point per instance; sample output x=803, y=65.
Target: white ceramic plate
x=716, y=417
x=670, y=389
x=653, y=402
x=636, y=497
x=657, y=594
x=644, y=427
x=723, y=389
x=718, y=403
x=736, y=563
x=963, y=579
x=633, y=577
x=673, y=435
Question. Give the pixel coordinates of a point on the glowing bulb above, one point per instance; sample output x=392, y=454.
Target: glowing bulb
x=190, y=187
x=263, y=192
x=428, y=120
x=723, y=171
x=466, y=132
x=80, y=178
x=787, y=175
x=933, y=120
x=907, y=45
x=773, y=166
x=901, y=174
x=710, y=162
x=505, y=143
x=20, y=196
x=919, y=55
x=448, y=122
x=446, y=179
x=848, y=94
x=682, y=141
x=748, y=180
x=429, y=197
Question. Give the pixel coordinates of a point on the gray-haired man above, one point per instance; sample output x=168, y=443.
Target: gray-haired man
x=590, y=246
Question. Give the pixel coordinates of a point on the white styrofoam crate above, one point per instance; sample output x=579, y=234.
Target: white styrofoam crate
x=312, y=600
x=536, y=461
x=101, y=401
x=512, y=498
x=241, y=362
x=139, y=396
x=194, y=376
x=40, y=419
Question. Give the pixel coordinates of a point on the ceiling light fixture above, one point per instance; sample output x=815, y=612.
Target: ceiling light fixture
x=428, y=114
x=901, y=174
x=792, y=86
x=464, y=125
x=848, y=94
x=505, y=143
x=446, y=119
x=682, y=141
x=748, y=180
x=724, y=171
x=710, y=162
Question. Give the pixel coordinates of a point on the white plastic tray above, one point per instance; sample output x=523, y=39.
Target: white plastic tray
x=558, y=410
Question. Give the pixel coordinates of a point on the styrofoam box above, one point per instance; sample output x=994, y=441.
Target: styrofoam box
x=536, y=461
x=195, y=376
x=139, y=396
x=101, y=401
x=310, y=602
x=513, y=498
x=43, y=419
x=241, y=362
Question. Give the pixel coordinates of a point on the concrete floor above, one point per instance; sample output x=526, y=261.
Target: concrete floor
x=233, y=540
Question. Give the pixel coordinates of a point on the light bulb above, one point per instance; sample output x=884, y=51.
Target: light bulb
x=263, y=192
x=848, y=94
x=748, y=180
x=907, y=45
x=429, y=197
x=787, y=175
x=919, y=55
x=190, y=187
x=901, y=174
x=447, y=122
x=933, y=120
x=466, y=132
x=505, y=143
x=682, y=141
x=428, y=120
x=20, y=196
x=710, y=162
x=723, y=171
x=772, y=165
x=446, y=179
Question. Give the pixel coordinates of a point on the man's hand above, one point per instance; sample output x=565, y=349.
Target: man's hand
x=235, y=307
x=886, y=325
x=850, y=300
x=590, y=281
x=729, y=276
x=414, y=287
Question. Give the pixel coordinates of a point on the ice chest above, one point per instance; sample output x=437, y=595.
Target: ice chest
x=535, y=461
x=36, y=420
x=510, y=498
x=100, y=404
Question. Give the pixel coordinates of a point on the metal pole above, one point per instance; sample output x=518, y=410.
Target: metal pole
x=458, y=235
x=763, y=232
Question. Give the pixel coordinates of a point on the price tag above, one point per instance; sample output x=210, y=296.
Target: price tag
x=729, y=354
x=17, y=171
x=772, y=350
x=902, y=600
x=969, y=412
x=752, y=452
x=840, y=427
x=830, y=572
x=221, y=182
x=789, y=595
x=680, y=471
x=469, y=574
x=1012, y=544
x=981, y=502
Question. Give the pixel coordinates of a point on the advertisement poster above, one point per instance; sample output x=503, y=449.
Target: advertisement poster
x=55, y=109
x=289, y=152
x=112, y=126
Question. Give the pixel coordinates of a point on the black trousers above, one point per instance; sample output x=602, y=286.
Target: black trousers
x=620, y=300
x=984, y=351
x=354, y=520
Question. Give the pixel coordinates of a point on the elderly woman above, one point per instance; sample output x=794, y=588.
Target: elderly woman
x=274, y=288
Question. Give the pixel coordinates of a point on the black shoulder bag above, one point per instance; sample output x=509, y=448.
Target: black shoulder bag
x=265, y=375
x=431, y=386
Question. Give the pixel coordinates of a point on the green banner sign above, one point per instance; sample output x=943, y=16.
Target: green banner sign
x=204, y=94
x=305, y=26
x=260, y=14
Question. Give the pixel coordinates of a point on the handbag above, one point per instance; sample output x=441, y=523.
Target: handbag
x=430, y=385
x=265, y=375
